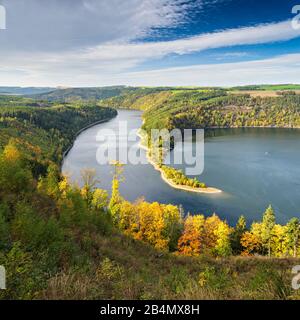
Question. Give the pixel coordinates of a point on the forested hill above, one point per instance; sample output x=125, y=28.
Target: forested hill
x=127, y=95
x=41, y=130
x=25, y=90
x=72, y=94
x=100, y=93
x=213, y=108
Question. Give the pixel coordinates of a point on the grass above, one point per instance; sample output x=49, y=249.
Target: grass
x=123, y=268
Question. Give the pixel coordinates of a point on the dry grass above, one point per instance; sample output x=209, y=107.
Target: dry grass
x=257, y=93
x=128, y=269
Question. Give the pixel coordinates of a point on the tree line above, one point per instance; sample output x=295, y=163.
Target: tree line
x=166, y=228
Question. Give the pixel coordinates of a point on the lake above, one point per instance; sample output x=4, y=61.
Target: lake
x=254, y=167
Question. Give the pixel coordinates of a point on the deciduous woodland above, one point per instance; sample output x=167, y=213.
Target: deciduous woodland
x=62, y=241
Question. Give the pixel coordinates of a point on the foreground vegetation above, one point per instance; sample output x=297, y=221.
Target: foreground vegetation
x=59, y=241
x=62, y=241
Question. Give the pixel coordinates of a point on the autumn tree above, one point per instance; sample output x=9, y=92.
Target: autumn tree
x=251, y=243
x=63, y=187
x=99, y=199
x=191, y=241
x=116, y=199
x=223, y=245
x=90, y=181
x=278, y=240
x=153, y=223
x=158, y=224
x=210, y=236
x=11, y=152
x=202, y=235
x=14, y=175
x=128, y=220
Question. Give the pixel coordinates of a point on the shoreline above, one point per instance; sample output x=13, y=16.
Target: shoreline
x=208, y=190
x=65, y=153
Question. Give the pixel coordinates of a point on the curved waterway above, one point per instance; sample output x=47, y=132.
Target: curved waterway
x=254, y=167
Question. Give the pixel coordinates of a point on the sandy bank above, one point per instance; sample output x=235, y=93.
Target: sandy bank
x=210, y=190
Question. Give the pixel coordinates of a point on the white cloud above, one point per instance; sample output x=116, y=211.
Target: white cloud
x=67, y=24
x=230, y=55
x=111, y=62
x=281, y=69
x=241, y=36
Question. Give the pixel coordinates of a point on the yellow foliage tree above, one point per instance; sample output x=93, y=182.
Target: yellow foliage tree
x=99, y=199
x=279, y=240
x=11, y=152
x=63, y=186
x=223, y=245
x=151, y=225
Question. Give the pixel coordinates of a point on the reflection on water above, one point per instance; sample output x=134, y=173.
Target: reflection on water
x=254, y=167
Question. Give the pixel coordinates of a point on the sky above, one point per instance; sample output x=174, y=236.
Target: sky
x=81, y=43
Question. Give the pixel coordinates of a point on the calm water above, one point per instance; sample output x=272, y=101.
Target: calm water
x=254, y=168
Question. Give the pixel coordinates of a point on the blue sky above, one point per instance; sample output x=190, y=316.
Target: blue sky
x=149, y=42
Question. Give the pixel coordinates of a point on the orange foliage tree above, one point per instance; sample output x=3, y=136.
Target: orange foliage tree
x=190, y=243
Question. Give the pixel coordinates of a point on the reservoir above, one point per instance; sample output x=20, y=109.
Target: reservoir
x=254, y=167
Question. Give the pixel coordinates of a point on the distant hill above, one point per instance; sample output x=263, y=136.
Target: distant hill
x=71, y=94
x=25, y=90
x=101, y=93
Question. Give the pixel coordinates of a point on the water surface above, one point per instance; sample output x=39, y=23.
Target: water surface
x=254, y=167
